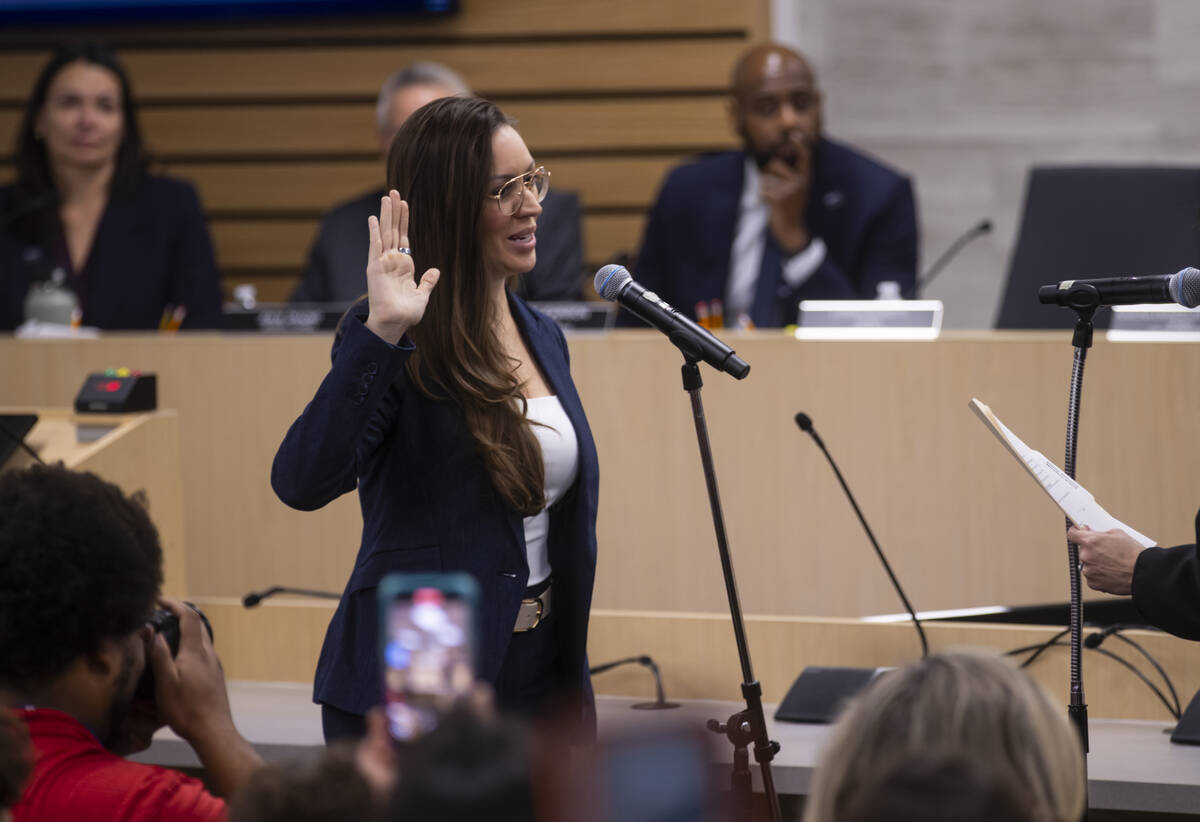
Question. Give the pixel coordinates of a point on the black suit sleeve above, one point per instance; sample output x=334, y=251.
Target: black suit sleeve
x=193, y=280
x=889, y=251
x=313, y=287
x=1166, y=588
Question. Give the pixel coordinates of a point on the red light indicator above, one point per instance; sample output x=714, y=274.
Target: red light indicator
x=112, y=386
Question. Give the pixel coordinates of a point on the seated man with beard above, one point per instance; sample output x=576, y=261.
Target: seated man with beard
x=80, y=573
x=794, y=215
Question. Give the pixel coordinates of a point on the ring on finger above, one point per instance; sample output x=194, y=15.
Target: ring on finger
x=403, y=250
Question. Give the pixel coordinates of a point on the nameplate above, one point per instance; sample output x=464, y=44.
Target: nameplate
x=284, y=318
x=1154, y=323
x=869, y=320
x=579, y=316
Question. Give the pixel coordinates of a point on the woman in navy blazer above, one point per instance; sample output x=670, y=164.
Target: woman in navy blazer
x=84, y=212
x=428, y=411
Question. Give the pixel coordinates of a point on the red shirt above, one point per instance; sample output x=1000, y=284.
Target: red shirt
x=76, y=779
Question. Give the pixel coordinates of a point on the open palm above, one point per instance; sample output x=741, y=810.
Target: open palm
x=396, y=301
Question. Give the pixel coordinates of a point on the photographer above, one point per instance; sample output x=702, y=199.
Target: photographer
x=80, y=573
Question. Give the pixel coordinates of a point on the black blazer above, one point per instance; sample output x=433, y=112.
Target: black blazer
x=864, y=212
x=1166, y=587
x=152, y=250
x=337, y=262
x=428, y=504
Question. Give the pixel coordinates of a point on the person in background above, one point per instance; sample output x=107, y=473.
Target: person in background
x=793, y=215
x=451, y=410
x=80, y=573
x=337, y=260
x=1164, y=582
x=959, y=706
x=85, y=213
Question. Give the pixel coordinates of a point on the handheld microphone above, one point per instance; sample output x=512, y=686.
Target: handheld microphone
x=614, y=283
x=978, y=230
x=806, y=425
x=254, y=597
x=1182, y=287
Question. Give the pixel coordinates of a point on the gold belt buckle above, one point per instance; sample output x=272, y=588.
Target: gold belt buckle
x=537, y=618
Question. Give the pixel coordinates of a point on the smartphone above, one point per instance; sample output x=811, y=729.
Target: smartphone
x=658, y=771
x=428, y=629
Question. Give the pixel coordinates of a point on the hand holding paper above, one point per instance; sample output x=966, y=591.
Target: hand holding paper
x=1074, y=500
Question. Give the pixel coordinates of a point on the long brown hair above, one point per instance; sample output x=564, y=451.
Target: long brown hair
x=441, y=163
x=34, y=194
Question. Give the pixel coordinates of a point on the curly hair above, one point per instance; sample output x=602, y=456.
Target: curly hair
x=79, y=562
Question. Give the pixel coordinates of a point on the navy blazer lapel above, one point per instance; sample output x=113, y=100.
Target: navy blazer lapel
x=545, y=347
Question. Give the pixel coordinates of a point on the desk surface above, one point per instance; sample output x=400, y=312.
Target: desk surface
x=1133, y=766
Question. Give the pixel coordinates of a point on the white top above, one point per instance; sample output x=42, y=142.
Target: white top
x=560, y=453
x=749, y=239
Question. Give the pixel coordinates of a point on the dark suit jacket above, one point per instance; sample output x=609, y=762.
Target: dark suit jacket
x=152, y=250
x=1166, y=588
x=428, y=504
x=864, y=212
x=337, y=261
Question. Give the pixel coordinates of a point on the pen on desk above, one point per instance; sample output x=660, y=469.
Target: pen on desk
x=166, y=318
x=177, y=315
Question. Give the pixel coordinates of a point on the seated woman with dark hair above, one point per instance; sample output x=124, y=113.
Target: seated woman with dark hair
x=84, y=213
x=887, y=749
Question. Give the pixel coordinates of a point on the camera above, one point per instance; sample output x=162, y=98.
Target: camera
x=166, y=623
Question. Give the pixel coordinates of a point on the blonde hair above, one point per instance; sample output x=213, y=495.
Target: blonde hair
x=965, y=703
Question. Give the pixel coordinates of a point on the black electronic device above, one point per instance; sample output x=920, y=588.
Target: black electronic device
x=819, y=693
x=166, y=623
x=13, y=429
x=117, y=391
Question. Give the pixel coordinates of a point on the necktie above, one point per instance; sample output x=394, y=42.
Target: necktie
x=766, y=309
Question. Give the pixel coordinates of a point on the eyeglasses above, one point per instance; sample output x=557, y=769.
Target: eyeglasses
x=511, y=195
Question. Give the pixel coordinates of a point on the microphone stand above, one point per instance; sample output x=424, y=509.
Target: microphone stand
x=749, y=725
x=1084, y=304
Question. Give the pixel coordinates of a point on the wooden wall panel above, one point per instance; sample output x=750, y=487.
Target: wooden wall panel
x=505, y=68
x=284, y=243
x=274, y=121
x=311, y=187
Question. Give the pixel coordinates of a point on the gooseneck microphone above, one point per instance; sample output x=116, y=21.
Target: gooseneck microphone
x=978, y=230
x=254, y=597
x=1182, y=287
x=805, y=423
x=614, y=283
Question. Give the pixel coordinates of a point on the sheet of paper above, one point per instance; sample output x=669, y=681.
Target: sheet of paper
x=1075, y=501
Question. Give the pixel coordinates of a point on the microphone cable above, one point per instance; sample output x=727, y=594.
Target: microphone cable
x=1058, y=643
x=1093, y=641
x=805, y=423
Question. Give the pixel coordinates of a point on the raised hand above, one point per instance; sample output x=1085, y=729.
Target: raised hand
x=396, y=301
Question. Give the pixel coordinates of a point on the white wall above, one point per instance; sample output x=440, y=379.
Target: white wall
x=965, y=95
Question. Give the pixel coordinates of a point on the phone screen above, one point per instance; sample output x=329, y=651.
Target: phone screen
x=427, y=656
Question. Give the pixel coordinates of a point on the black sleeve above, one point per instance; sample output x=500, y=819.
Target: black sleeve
x=313, y=286
x=558, y=273
x=193, y=279
x=1166, y=588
